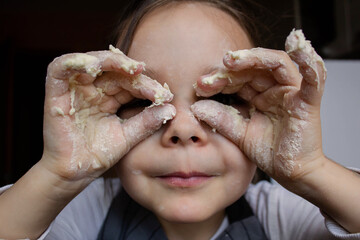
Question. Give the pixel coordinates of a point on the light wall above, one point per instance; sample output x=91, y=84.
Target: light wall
x=340, y=112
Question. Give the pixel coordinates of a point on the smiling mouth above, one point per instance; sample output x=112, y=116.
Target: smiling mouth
x=185, y=180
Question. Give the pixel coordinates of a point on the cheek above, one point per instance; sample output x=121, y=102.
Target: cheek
x=132, y=169
x=239, y=169
x=130, y=165
x=140, y=158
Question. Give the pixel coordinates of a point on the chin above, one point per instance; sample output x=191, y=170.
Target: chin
x=183, y=217
x=186, y=211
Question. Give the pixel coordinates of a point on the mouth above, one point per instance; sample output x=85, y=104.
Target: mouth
x=185, y=180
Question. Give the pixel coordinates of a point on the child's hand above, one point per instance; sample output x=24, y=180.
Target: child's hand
x=283, y=134
x=83, y=136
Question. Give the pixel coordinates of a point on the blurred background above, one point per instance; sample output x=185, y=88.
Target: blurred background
x=33, y=33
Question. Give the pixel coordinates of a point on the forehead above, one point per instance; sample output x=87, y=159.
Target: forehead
x=188, y=34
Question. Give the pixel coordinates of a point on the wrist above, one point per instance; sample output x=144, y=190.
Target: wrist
x=33, y=202
x=56, y=186
x=334, y=189
x=309, y=177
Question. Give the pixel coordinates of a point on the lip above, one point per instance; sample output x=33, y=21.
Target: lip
x=185, y=180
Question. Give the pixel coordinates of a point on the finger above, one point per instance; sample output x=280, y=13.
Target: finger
x=278, y=62
x=272, y=100
x=262, y=81
x=145, y=123
x=123, y=97
x=69, y=70
x=139, y=86
x=311, y=66
x=67, y=65
x=259, y=145
x=247, y=92
x=110, y=82
x=225, y=119
x=88, y=98
x=115, y=60
x=113, y=83
x=144, y=87
x=213, y=83
x=83, y=68
x=229, y=82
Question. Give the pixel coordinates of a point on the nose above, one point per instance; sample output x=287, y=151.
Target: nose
x=184, y=129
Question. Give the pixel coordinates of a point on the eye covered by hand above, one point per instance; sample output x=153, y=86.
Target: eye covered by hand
x=283, y=132
x=84, y=91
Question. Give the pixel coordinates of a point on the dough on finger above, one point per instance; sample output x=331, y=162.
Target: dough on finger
x=82, y=61
x=277, y=62
x=311, y=67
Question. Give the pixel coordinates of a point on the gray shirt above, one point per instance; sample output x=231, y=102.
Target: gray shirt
x=282, y=214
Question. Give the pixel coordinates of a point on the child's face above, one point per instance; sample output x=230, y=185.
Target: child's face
x=185, y=172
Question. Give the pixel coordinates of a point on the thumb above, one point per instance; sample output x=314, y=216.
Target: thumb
x=147, y=122
x=223, y=118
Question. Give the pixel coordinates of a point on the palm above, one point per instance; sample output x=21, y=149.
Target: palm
x=79, y=148
x=286, y=140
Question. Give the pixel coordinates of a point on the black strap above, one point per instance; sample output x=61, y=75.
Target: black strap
x=127, y=220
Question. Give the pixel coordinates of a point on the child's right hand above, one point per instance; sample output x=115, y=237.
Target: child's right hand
x=83, y=136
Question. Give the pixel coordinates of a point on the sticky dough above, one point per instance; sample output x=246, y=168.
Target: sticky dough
x=83, y=61
x=297, y=44
x=160, y=95
x=210, y=79
x=240, y=54
x=128, y=65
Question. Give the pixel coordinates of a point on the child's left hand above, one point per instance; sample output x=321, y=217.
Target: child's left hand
x=283, y=134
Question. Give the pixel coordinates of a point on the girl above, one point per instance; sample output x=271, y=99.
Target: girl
x=185, y=161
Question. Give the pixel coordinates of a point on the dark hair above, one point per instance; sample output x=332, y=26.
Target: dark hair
x=244, y=12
